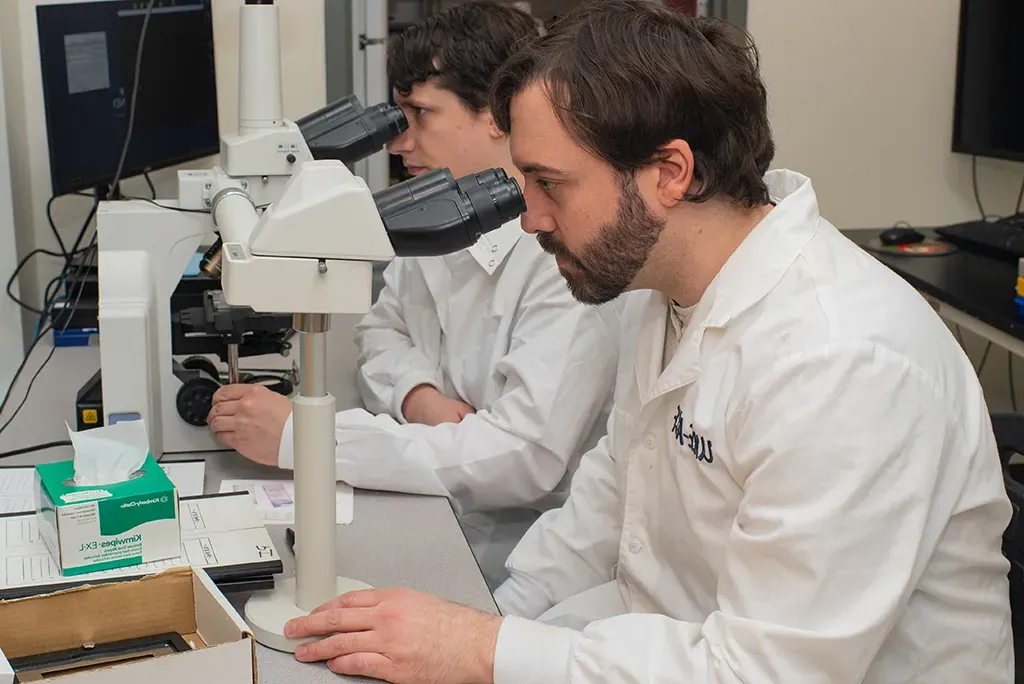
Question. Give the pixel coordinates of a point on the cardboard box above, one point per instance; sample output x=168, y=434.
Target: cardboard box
x=89, y=529
x=181, y=601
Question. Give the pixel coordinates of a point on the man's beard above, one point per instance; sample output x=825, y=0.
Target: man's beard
x=609, y=264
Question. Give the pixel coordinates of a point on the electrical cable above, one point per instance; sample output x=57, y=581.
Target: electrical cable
x=18, y=372
x=149, y=182
x=131, y=107
x=53, y=226
x=977, y=193
x=1020, y=198
x=984, y=358
x=1013, y=389
x=75, y=251
x=33, y=449
x=113, y=188
x=47, y=328
x=166, y=206
x=90, y=249
x=17, y=270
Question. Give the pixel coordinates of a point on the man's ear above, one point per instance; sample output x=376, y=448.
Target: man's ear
x=674, y=163
x=492, y=128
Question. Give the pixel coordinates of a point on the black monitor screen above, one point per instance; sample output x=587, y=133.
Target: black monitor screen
x=989, y=111
x=88, y=53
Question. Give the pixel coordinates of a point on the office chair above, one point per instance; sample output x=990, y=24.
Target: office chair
x=1009, y=433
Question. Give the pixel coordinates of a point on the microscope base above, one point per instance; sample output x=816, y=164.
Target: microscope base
x=266, y=612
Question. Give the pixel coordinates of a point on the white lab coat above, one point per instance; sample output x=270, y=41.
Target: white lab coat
x=496, y=327
x=809, y=492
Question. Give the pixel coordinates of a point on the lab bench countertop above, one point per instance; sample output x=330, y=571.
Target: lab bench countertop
x=395, y=540
x=979, y=284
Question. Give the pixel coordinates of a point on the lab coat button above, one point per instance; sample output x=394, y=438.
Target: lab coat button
x=650, y=442
x=491, y=263
x=635, y=545
x=494, y=248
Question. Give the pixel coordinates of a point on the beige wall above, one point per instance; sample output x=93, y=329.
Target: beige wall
x=303, y=65
x=861, y=95
x=862, y=101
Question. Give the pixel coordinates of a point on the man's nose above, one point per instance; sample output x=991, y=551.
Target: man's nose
x=537, y=221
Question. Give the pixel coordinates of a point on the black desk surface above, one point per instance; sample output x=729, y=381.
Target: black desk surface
x=977, y=284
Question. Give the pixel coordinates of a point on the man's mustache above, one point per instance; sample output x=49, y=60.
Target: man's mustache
x=553, y=246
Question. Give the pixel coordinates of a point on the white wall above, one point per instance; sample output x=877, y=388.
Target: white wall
x=10, y=320
x=303, y=77
x=861, y=96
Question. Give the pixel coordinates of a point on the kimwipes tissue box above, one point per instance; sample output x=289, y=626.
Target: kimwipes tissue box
x=99, y=527
x=163, y=629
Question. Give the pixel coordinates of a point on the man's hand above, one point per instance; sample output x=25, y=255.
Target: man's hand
x=250, y=420
x=400, y=636
x=425, y=405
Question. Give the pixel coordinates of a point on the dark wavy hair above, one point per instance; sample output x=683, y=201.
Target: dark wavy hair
x=462, y=47
x=627, y=76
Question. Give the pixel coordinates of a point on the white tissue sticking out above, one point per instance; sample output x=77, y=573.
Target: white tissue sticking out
x=110, y=454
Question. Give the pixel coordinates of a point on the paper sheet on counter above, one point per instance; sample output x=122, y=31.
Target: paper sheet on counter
x=17, y=484
x=275, y=499
x=188, y=476
x=17, y=487
x=216, y=531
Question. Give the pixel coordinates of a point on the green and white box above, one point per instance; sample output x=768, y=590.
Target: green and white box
x=94, y=528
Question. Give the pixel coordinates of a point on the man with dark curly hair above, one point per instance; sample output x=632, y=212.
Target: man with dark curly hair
x=482, y=378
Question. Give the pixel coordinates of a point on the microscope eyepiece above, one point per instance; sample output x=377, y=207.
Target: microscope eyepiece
x=433, y=214
x=493, y=191
x=387, y=120
x=346, y=131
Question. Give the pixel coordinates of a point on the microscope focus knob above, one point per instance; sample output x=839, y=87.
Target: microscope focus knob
x=195, y=397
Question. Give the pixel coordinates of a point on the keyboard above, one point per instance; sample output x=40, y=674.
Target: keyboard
x=1003, y=238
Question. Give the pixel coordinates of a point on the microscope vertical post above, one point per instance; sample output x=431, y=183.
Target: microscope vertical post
x=315, y=479
x=233, y=375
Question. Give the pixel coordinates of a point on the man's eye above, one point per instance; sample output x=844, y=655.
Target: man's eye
x=544, y=185
x=420, y=111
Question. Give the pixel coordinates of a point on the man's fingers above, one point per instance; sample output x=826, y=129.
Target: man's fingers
x=333, y=604
x=372, y=665
x=231, y=393
x=360, y=598
x=330, y=622
x=338, y=645
x=222, y=424
x=223, y=408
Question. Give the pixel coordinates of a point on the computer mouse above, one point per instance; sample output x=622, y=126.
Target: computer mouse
x=900, y=236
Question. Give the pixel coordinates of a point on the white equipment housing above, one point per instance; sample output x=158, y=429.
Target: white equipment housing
x=320, y=209
x=311, y=251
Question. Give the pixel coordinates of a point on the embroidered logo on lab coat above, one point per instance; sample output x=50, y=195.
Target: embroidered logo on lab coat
x=697, y=444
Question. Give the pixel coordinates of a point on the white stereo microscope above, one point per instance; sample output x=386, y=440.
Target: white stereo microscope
x=299, y=234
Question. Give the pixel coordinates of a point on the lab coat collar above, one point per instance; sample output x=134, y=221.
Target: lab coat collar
x=750, y=273
x=492, y=248
x=764, y=256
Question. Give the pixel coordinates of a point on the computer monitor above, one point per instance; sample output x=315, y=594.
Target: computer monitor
x=88, y=53
x=988, y=118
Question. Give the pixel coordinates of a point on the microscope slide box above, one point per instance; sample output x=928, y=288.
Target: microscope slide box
x=181, y=602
